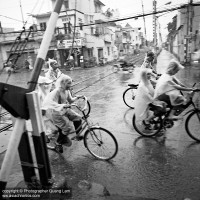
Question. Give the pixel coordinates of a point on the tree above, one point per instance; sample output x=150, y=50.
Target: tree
x=108, y=13
x=171, y=27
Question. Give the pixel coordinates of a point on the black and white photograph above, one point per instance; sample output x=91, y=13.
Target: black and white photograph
x=100, y=99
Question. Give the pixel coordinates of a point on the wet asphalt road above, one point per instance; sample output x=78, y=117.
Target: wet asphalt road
x=164, y=168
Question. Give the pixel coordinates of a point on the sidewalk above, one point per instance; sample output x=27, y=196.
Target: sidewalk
x=189, y=75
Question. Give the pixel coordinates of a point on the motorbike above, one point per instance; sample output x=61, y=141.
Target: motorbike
x=124, y=66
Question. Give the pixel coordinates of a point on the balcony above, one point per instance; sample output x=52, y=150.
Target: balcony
x=107, y=38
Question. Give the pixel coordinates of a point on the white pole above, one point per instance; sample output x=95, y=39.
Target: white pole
x=21, y=12
x=12, y=149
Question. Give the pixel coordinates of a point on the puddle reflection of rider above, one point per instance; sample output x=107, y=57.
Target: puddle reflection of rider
x=57, y=109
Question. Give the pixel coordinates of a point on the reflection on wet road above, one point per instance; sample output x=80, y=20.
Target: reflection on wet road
x=164, y=168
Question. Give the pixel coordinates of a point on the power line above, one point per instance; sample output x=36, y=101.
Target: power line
x=137, y=16
x=127, y=18
x=11, y=18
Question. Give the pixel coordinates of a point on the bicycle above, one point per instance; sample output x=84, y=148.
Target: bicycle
x=129, y=95
x=161, y=120
x=130, y=92
x=100, y=142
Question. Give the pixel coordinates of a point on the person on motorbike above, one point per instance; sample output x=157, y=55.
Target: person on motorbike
x=57, y=106
x=168, y=88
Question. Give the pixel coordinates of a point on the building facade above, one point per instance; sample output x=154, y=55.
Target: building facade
x=83, y=30
x=186, y=40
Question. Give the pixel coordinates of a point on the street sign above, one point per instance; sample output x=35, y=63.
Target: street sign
x=187, y=36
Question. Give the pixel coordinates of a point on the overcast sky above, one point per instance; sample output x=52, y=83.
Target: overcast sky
x=12, y=9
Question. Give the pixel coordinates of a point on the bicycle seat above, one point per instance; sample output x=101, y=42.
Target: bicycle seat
x=133, y=85
x=158, y=109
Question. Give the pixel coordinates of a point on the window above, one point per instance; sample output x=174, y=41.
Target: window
x=65, y=28
x=81, y=26
x=92, y=30
x=108, y=48
x=43, y=26
x=69, y=27
x=66, y=4
x=90, y=52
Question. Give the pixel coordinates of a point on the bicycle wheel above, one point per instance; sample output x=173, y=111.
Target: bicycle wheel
x=100, y=143
x=129, y=96
x=192, y=125
x=155, y=126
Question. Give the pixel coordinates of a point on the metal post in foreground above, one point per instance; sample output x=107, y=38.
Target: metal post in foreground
x=19, y=127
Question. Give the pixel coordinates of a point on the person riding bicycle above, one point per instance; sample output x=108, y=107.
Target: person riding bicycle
x=150, y=56
x=147, y=64
x=168, y=88
x=43, y=88
x=57, y=106
x=53, y=72
x=144, y=94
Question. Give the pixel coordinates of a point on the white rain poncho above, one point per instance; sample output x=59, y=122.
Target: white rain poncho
x=56, y=103
x=144, y=95
x=51, y=73
x=43, y=88
x=166, y=83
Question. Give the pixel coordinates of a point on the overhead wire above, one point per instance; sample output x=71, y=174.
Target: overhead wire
x=136, y=15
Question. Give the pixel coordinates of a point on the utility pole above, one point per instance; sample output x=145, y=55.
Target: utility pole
x=154, y=29
x=21, y=12
x=144, y=23
x=189, y=32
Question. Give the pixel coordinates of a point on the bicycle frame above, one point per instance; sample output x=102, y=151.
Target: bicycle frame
x=85, y=122
x=190, y=102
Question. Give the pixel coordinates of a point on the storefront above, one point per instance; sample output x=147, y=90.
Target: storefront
x=65, y=47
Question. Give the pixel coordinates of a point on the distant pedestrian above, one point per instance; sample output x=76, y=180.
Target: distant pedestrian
x=27, y=64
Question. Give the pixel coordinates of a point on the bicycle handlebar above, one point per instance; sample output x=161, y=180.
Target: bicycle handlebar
x=85, y=106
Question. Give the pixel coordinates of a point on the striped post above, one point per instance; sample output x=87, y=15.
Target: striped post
x=185, y=50
x=19, y=128
x=45, y=45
